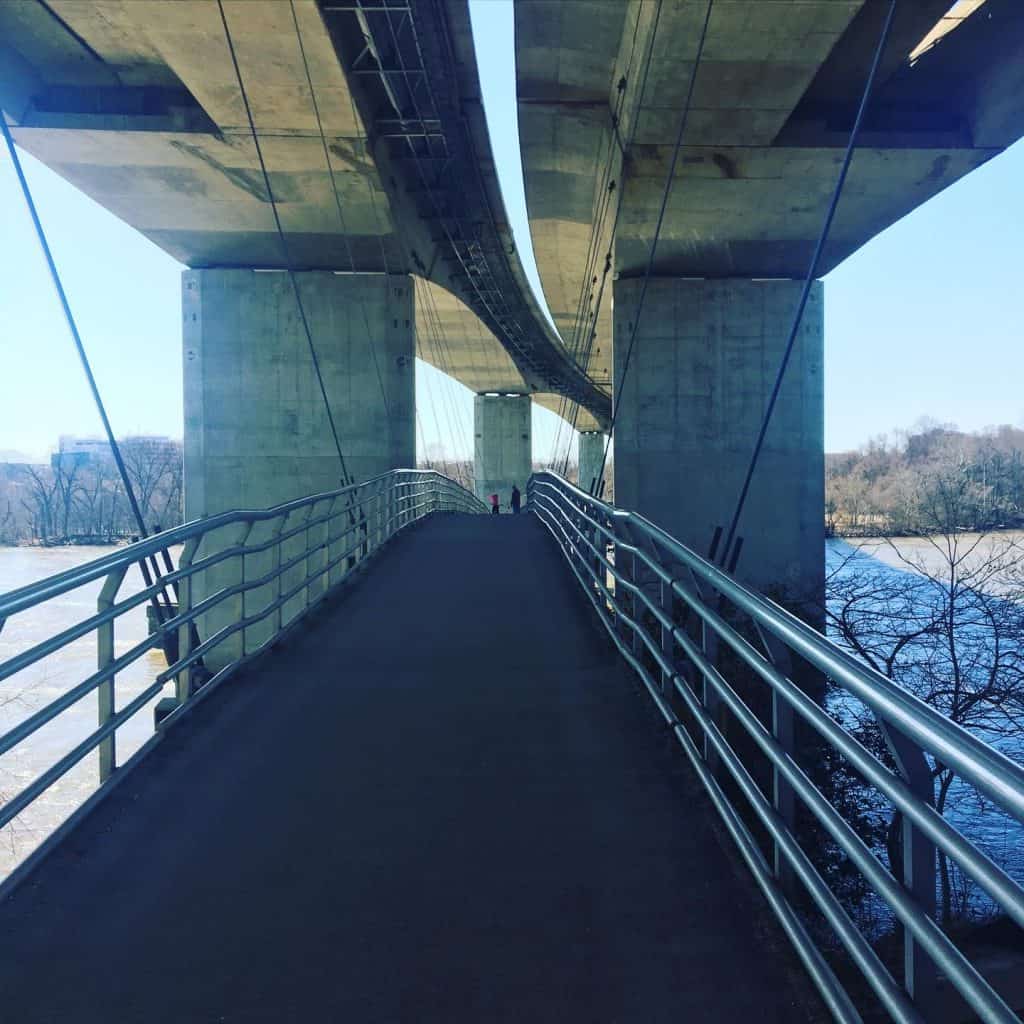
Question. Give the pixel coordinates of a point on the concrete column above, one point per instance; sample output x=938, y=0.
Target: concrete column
x=256, y=430
x=503, y=450
x=592, y=445
x=703, y=364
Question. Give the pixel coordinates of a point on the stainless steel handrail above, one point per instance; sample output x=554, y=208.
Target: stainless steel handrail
x=318, y=542
x=649, y=590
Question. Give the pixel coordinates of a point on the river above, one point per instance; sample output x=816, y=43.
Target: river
x=33, y=687
x=873, y=565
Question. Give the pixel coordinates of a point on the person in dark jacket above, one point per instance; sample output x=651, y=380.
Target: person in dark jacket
x=517, y=499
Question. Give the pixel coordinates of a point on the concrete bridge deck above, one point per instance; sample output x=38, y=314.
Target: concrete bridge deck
x=445, y=802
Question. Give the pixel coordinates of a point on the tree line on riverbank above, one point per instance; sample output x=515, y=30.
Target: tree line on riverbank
x=76, y=499
x=884, y=487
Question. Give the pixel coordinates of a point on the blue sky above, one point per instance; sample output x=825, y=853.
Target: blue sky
x=926, y=319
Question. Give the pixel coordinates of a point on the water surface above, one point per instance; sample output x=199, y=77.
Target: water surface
x=31, y=689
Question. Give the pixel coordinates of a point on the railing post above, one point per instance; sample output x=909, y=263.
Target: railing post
x=335, y=542
x=243, y=540
x=623, y=566
x=349, y=528
x=380, y=507
x=783, y=731
x=710, y=698
x=189, y=629
x=104, y=658
x=364, y=531
x=666, y=602
x=918, y=866
x=310, y=512
x=278, y=619
x=302, y=594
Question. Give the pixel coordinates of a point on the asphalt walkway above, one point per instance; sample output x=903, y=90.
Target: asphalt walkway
x=445, y=802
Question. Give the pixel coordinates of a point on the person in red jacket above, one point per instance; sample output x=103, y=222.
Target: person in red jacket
x=494, y=504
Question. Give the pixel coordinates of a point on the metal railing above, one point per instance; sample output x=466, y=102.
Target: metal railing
x=244, y=579
x=682, y=624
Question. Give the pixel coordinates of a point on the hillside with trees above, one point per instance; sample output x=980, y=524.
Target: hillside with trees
x=884, y=488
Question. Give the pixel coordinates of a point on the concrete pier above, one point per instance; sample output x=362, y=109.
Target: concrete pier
x=704, y=361
x=503, y=445
x=256, y=429
x=592, y=445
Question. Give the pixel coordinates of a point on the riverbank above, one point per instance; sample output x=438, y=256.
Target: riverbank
x=73, y=542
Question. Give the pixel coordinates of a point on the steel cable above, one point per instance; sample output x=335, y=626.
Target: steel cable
x=163, y=611
x=617, y=400
x=337, y=203
x=285, y=252
x=806, y=291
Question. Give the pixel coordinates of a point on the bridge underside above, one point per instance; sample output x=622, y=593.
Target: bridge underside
x=774, y=99
x=445, y=801
x=138, y=104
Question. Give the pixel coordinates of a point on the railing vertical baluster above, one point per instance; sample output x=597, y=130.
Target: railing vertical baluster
x=666, y=602
x=710, y=699
x=783, y=730
x=302, y=594
x=364, y=532
x=278, y=615
x=305, y=561
x=246, y=601
x=187, y=630
x=105, y=693
x=918, y=866
x=349, y=536
x=335, y=544
x=380, y=511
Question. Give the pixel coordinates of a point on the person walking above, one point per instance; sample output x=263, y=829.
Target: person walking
x=494, y=505
x=517, y=500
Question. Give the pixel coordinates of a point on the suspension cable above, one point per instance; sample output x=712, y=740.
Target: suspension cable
x=808, y=282
x=163, y=611
x=285, y=252
x=617, y=400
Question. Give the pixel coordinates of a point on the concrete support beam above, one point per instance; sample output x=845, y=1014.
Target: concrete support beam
x=592, y=445
x=703, y=364
x=503, y=445
x=256, y=430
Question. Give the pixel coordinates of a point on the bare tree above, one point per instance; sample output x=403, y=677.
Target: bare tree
x=154, y=468
x=97, y=502
x=42, y=499
x=66, y=478
x=948, y=625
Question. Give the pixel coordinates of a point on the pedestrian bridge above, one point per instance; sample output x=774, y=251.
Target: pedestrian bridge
x=419, y=766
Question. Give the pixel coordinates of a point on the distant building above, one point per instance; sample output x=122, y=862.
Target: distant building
x=81, y=452
x=94, y=452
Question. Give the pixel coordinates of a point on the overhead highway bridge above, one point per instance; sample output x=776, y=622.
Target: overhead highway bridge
x=414, y=762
